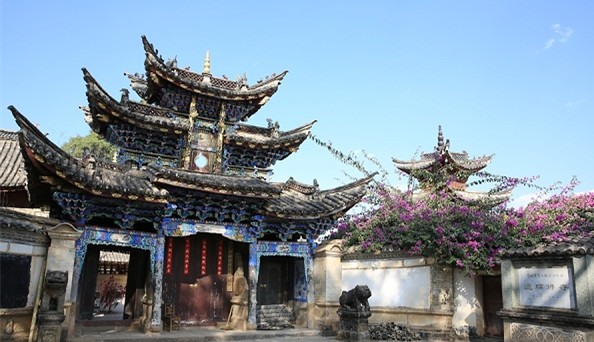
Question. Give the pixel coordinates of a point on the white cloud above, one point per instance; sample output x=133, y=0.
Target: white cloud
x=575, y=103
x=522, y=201
x=561, y=35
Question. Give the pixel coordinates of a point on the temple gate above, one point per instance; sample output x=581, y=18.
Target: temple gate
x=188, y=193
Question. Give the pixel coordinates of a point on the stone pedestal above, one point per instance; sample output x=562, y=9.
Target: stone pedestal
x=51, y=313
x=50, y=327
x=353, y=325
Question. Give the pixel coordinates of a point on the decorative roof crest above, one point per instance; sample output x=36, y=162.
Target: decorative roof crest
x=207, y=63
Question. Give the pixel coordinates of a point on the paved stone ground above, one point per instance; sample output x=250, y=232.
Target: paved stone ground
x=207, y=334
x=187, y=334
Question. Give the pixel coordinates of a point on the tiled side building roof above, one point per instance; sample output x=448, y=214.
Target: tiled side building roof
x=12, y=173
x=573, y=245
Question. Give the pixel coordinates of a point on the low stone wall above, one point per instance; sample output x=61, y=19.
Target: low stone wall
x=410, y=290
x=15, y=324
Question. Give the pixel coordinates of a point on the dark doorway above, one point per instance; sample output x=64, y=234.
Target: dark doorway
x=275, y=280
x=493, y=302
x=112, y=283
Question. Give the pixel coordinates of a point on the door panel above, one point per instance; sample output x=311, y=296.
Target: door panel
x=197, y=283
x=493, y=302
x=273, y=279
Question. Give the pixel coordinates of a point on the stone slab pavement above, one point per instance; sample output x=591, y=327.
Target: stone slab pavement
x=208, y=334
x=198, y=334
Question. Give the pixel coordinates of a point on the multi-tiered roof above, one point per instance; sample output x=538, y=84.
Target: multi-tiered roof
x=184, y=152
x=444, y=170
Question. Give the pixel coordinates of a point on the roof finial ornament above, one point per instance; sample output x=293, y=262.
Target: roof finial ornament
x=207, y=63
x=439, y=138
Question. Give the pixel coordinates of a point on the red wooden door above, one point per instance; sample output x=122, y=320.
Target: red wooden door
x=195, y=278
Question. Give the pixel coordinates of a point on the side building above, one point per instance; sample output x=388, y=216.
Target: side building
x=187, y=197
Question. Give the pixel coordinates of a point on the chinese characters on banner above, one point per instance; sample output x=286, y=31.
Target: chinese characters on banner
x=187, y=256
x=549, y=287
x=169, y=256
x=204, y=251
x=230, y=267
x=219, y=257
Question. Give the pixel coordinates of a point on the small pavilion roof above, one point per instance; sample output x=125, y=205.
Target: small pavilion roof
x=442, y=154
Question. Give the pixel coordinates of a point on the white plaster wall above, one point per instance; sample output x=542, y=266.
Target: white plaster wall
x=391, y=283
x=468, y=311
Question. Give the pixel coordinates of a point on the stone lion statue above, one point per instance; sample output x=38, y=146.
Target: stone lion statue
x=55, y=283
x=356, y=299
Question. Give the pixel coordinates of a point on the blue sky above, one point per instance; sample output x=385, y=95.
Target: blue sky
x=513, y=78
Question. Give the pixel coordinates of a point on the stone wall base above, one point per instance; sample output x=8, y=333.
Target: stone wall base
x=524, y=332
x=15, y=324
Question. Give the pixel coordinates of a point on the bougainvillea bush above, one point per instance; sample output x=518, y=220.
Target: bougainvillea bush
x=462, y=234
x=467, y=235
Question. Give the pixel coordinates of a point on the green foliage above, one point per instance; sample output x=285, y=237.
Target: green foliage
x=96, y=145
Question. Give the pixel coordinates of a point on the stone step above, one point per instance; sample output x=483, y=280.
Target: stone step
x=274, y=317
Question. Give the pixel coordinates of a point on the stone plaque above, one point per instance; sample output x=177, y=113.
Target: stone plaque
x=546, y=286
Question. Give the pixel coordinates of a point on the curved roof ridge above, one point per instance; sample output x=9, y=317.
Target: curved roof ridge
x=490, y=197
x=26, y=125
x=462, y=160
x=413, y=164
x=331, y=203
x=96, y=92
x=357, y=183
x=76, y=172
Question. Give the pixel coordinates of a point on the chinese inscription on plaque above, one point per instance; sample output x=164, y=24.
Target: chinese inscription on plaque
x=550, y=287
